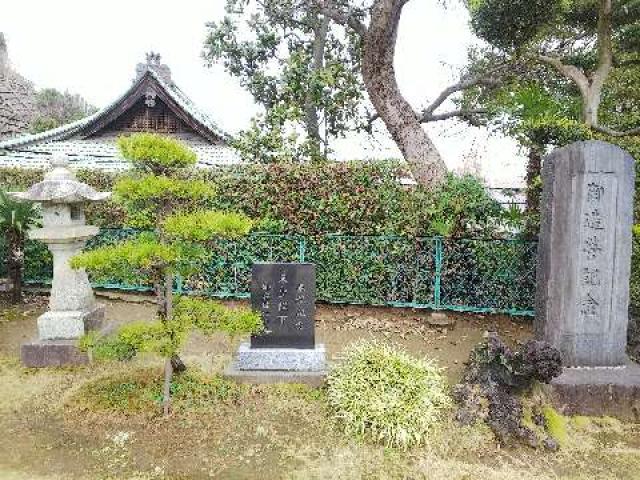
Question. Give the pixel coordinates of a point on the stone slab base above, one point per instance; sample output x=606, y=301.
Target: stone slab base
x=52, y=353
x=612, y=391
x=281, y=359
x=312, y=379
x=56, y=325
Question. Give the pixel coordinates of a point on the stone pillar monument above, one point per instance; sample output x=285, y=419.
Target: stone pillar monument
x=72, y=306
x=584, y=258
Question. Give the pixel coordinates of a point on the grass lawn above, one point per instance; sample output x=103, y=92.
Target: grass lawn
x=103, y=421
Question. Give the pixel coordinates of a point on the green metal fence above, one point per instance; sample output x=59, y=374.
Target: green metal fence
x=475, y=275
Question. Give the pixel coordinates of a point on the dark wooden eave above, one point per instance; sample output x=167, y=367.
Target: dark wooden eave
x=148, y=83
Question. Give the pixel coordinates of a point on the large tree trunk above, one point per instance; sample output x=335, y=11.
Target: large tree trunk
x=312, y=119
x=378, y=72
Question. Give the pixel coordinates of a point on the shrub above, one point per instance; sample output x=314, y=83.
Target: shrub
x=355, y=198
x=203, y=226
x=140, y=391
x=385, y=394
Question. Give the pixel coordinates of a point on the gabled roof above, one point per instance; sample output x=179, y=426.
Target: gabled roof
x=167, y=91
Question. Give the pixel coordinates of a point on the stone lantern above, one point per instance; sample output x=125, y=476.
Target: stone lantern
x=72, y=306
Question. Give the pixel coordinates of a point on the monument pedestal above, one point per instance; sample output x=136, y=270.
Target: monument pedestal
x=279, y=365
x=598, y=391
x=284, y=294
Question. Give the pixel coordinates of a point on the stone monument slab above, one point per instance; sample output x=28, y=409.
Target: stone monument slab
x=584, y=258
x=284, y=294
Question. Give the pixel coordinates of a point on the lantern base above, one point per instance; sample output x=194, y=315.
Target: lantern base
x=52, y=353
x=69, y=325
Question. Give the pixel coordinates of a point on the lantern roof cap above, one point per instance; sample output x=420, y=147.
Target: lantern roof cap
x=60, y=185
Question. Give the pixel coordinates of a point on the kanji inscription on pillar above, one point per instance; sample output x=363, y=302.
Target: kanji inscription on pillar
x=584, y=253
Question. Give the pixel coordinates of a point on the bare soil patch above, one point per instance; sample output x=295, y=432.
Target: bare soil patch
x=49, y=433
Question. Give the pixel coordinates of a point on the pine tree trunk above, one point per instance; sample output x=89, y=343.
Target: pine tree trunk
x=166, y=395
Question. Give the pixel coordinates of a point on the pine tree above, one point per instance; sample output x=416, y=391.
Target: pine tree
x=159, y=195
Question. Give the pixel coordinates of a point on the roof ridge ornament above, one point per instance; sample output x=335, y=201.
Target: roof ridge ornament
x=153, y=64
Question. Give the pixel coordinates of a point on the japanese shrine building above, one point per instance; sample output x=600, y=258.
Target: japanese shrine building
x=153, y=103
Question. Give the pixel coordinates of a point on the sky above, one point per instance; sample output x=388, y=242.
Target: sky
x=92, y=48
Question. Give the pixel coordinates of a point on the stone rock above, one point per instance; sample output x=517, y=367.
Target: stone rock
x=584, y=258
x=284, y=293
x=440, y=320
x=65, y=325
x=73, y=310
x=612, y=391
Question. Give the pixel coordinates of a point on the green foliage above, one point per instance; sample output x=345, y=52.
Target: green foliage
x=210, y=316
x=56, y=108
x=358, y=198
x=556, y=425
x=386, y=395
x=140, y=391
x=272, y=48
x=270, y=225
x=202, y=226
x=165, y=338
x=510, y=24
x=144, y=197
x=17, y=217
x=156, y=153
x=129, y=261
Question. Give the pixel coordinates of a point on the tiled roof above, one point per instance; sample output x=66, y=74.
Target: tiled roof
x=67, y=131
x=35, y=150
x=102, y=154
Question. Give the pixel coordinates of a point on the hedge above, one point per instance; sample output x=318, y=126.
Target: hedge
x=357, y=198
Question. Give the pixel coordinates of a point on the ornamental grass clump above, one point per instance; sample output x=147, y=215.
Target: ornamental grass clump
x=384, y=394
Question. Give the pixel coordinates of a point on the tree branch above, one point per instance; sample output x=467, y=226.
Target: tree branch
x=569, y=71
x=616, y=133
x=463, y=84
x=427, y=117
x=348, y=19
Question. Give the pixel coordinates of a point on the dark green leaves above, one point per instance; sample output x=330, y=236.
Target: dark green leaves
x=511, y=24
